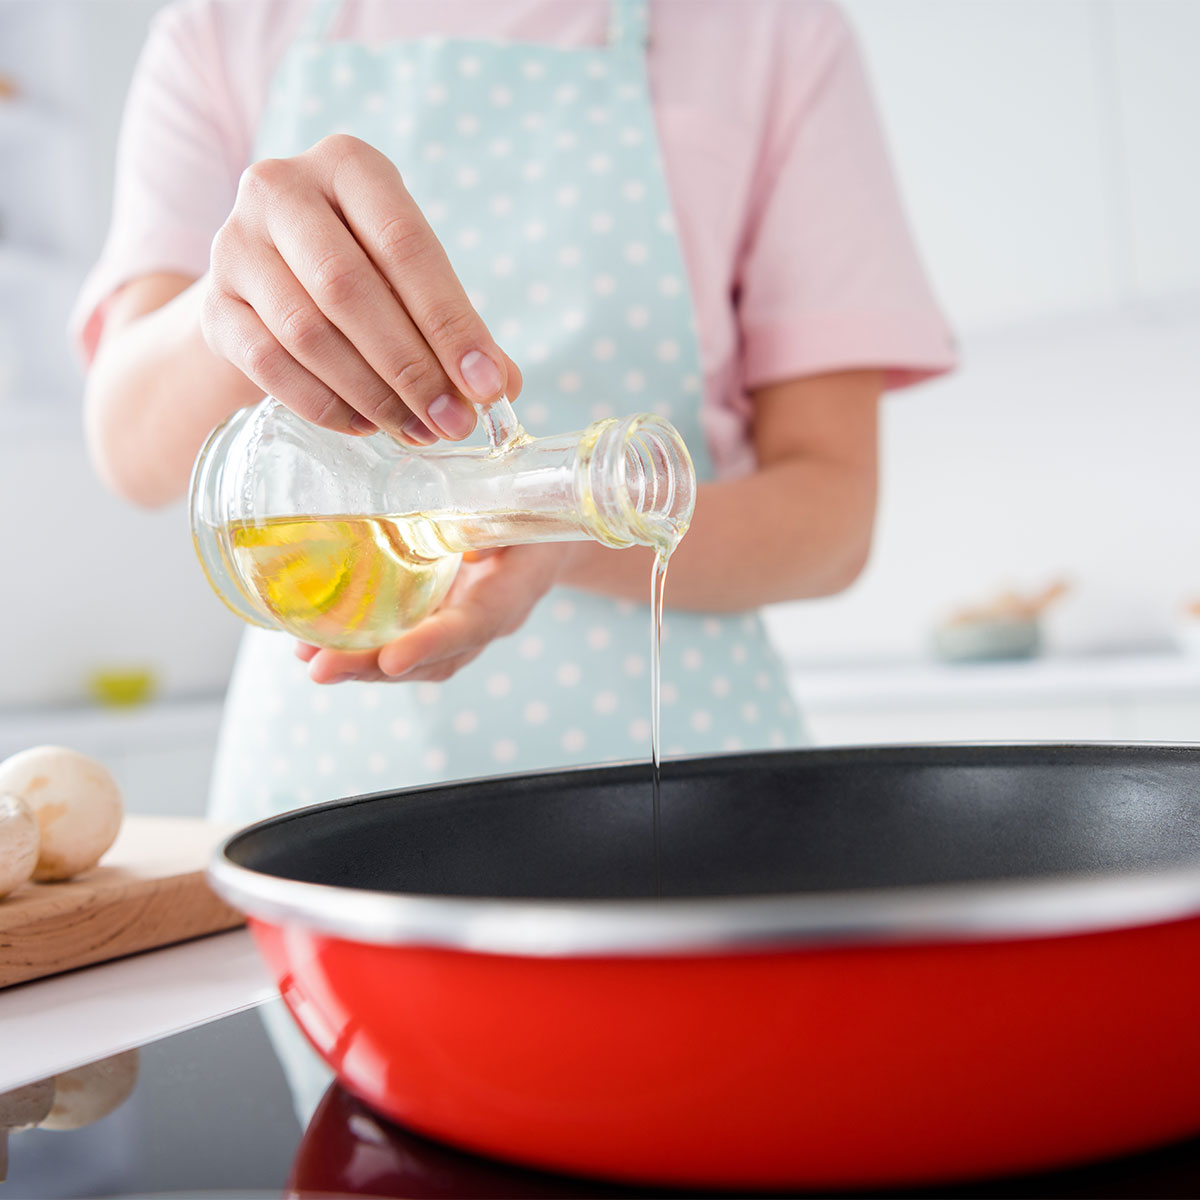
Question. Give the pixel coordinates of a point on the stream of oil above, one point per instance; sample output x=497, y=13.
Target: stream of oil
x=658, y=583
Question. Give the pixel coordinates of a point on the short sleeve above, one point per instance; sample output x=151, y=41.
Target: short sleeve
x=830, y=278
x=180, y=155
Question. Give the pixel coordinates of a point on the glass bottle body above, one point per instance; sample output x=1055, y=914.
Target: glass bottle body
x=346, y=542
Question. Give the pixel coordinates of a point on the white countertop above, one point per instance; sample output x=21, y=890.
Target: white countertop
x=56, y=1024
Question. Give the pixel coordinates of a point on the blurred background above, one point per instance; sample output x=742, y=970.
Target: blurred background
x=1037, y=562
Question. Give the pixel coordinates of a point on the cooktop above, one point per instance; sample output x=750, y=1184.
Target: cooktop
x=212, y=1113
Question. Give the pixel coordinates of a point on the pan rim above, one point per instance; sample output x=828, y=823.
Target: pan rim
x=973, y=911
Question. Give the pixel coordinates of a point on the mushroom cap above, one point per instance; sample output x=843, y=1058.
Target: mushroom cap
x=26, y=1105
x=20, y=841
x=86, y=1094
x=75, y=801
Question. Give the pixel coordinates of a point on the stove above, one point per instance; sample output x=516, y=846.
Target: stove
x=213, y=1114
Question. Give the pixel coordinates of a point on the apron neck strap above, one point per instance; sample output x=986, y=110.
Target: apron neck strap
x=318, y=20
x=628, y=24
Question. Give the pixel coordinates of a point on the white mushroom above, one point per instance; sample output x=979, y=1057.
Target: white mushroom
x=19, y=842
x=84, y=1095
x=20, y=1108
x=75, y=801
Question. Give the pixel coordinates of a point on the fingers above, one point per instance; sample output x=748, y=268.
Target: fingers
x=384, y=219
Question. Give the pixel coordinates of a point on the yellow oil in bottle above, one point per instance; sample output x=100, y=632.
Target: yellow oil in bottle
x=348, y=582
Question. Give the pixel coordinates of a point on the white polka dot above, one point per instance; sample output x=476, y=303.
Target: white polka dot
x=469, y=66
x=465, y=721
x=605, y=702
x=692, y=658
x=400, y=729
x=312, y=105
x=598, y=637
x=374, y=103
x=666, y=222
x=636, y=253
x=631, y=136
x=537, y=712
x=701, y=720
x=478, y=300
x=468, y=239
x=434, y=151
x=634, y=381
x=629, y=91
x=435, y=210
x=750, y=712
x=531, y=647
x=635, y=189
x=500, y=147
x=599, y=163
x=626, y=608
x=638, y=316
x=273, y=704
x=748, y=624
x=597, y=69
x=778, y=741
x=567, y=195
x=404, y=69
x=568, y=674
x=634, y=665
x=533, y=121
x=321, y=701
x=600, y=410
x=566, y=93
x=601, y=222
x=538, y=293
x=343, y=74
x=538, y=352
x=499, y=685
x=604, y=349
x=427, y=693
x=501, y=96
x=669, y=693
x=604, y=285
x=720, y=685
x=467, y=124
x=597, y=114
x=466, y=177
x=639, y=730
x=504, y=750
x=566, y=139
x=572, y=319
x=574, y=740
x=533, y=171
x=570, y=381
x=348, y=731
x=563, y=610
x=762, y=681
x=663, y=409
x=667, y=351
x=300, y=735
x=435, y=759
x=509, y=329
x=691, y=383
x=711, y=626
x=536, y=414
x=437, y=93
x=280, y=765
x=738, y=652
x=532, y=69
x=535, y=230
x=376, y=763
x=304, y=795
x=569, y=256
x=403, y=125
x=371, y=699
x=669, y=285
x=325, y=764
x=503, y=264
x=731, y=743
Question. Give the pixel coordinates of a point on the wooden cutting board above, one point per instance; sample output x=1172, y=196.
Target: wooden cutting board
x=149, y=890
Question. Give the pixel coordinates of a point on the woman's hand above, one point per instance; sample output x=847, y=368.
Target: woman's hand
x=491, y=596
x=329, y=290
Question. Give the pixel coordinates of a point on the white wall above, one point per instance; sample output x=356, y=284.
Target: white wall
x=1047, y=152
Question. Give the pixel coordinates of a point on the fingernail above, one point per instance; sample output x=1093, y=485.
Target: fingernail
x=343, y=678
x=454, y=417
x=482, y=375
x=360, y=424
x=416, y=429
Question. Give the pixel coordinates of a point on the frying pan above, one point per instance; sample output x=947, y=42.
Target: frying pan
x=876, y=966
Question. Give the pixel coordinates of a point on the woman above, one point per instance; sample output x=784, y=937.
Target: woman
x=684, y=206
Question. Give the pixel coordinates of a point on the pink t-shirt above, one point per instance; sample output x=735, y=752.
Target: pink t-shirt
x=798, y=254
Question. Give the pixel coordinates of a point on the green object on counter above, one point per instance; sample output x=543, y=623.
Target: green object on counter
x=122, y=687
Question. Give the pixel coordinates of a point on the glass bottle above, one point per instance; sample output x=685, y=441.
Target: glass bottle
x=348, y=541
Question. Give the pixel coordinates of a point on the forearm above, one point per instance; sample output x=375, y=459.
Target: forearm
x=794, y=530
x=155, y=390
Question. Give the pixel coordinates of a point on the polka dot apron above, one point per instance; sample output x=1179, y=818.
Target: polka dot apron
x=538, y=167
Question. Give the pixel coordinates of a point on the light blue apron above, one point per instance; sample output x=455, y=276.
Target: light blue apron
x=539, y=169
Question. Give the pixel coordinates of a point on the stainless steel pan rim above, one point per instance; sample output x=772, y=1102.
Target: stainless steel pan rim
x=959, y=912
